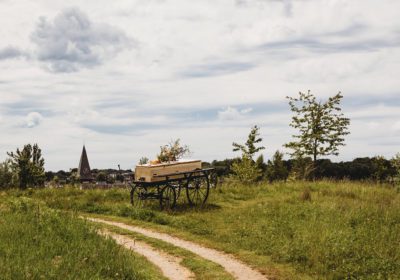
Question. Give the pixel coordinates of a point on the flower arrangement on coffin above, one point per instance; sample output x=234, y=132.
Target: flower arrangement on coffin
x=171, y=152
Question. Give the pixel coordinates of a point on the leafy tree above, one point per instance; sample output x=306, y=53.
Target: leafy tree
x=261, y=164
x=383, y=169
x=249, y=149
x=395, y=161
x=73, y=177
x=222, y=167
x=246, y=170
x=302, y=168
x=119, y=178
x=6, y=175
x=101, y=177
x=28, y=166
x=56, y=180
x=276, y=169
x=321, y=126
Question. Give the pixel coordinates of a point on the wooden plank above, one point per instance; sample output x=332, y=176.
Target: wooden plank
x=157, y=172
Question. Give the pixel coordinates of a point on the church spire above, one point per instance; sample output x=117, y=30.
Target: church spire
x=84, y=172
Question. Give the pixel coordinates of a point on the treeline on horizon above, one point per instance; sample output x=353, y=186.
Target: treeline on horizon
x=376, y=169
x=321, y=130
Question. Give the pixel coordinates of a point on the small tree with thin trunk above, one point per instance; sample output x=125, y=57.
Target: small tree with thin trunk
x=321, y=126
x=246, y=170
x=249, y=149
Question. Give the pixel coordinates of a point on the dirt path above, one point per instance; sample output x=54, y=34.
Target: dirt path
x=235, y=267
x=169, y=265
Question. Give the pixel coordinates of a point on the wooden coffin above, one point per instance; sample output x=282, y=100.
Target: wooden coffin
x=147, y=172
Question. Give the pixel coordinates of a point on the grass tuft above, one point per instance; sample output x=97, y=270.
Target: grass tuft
x=306, y=194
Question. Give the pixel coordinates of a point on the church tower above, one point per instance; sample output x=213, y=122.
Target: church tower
x=84, y=172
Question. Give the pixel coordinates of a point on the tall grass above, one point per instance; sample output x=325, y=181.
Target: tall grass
x=330, y=230
x=37, y=243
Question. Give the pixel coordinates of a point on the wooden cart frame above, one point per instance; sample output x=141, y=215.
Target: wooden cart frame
x=197, y=184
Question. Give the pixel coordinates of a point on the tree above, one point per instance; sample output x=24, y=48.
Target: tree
x=6, y=175
x=223, y=167
x=245, y=169
x=73, y=177
x=28, y=166
x=261, y=164
x=249, y=149
x=119, y=178
x=302, y=168
x=383, y=169
x=56, y=180
x=396, y=165
x=276, y=169
x=321, y=126
x=101, y=177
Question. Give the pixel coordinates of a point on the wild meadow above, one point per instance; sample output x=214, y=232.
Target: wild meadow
x=41, y=243
x=294, y=230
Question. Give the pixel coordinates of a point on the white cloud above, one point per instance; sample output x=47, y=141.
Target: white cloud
x=396, y=126
x=10, y=52
x=72, y=41
x=205, y=71
x=231, y=113
x=246, y=110
x=33, y=119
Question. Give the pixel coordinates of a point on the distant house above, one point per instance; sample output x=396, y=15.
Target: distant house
x=84, y=172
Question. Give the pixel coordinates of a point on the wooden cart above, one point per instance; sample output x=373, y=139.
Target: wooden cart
x=166, y=188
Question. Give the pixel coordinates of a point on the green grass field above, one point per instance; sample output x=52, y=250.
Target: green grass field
x=38, y=243
x=297, y=230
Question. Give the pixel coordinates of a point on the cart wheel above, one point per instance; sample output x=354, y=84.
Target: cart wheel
x=137, y=196
x=213, y=179
x=197, y=190
x=177, y=186
x=178, y=191
x=168, y=198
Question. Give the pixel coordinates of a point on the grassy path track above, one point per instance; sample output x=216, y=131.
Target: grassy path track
x=169, y=265
x=235, y=267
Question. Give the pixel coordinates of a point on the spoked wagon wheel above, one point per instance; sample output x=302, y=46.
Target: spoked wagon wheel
x=168, y=197
x=213, y=179
x=137, y=196
x=197, y=190
x=177, y=186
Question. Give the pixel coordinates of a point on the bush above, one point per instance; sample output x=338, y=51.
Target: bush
x=246, y=171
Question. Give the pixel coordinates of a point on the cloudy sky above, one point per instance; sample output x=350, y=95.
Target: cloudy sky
x=125, y=77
